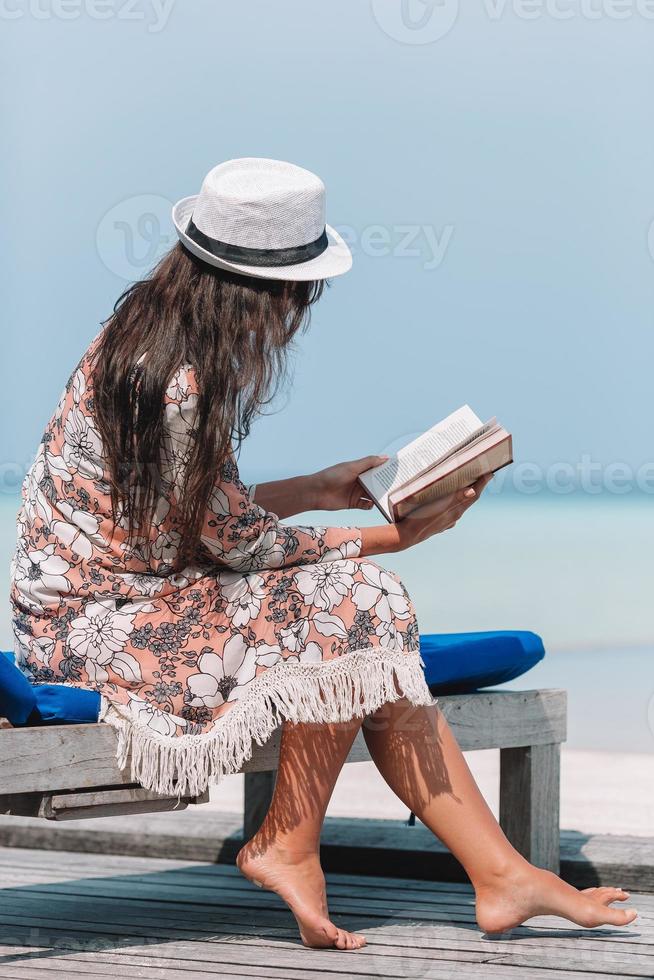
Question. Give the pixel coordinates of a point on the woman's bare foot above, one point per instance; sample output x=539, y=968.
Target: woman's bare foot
x=298, y=879
x=530, y=891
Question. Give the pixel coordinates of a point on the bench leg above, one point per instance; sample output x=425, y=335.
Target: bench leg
x=529, y=802
x=259, y=788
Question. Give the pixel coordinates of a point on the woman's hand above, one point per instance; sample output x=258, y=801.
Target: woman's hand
x=441, y=515
x=337, y=487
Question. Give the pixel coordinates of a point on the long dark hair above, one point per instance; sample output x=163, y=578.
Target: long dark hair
x=234, y=331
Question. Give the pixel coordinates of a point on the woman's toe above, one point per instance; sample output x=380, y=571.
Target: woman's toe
x=612, y=895
x=350, y=940
x=621, y=917
x=605, y=895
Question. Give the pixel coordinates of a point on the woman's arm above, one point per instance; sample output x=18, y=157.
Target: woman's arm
x=287, y=497
x=334, y=488
x=337, y=487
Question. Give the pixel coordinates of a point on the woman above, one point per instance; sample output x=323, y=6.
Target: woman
x=146, y=570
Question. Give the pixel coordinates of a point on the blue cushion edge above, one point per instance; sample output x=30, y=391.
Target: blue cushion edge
x=25, y=704
x=457, y=663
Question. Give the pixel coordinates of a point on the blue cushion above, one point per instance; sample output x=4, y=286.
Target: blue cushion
x=59, y=704
x=23, y=703
x=456, y=663
x=17, y=700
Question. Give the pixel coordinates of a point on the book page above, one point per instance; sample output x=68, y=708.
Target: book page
x=478, y=436
x=421, y=454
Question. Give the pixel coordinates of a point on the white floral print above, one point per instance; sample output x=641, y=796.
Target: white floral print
x=325, y=585
x=381, y=592
x=42, y=648
x=329, y=625
x=100, y=636
x=244, y=594
x=41, y=576
x=82, y=451
x=294, y=636
x=166, y=545
x=223, y=678
x=161, y=722
x=389, y=635
x=265, y=552
x=145, y=585
x=78, y=529
x=348, y=549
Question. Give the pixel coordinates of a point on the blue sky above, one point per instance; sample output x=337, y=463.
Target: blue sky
x=512, y=158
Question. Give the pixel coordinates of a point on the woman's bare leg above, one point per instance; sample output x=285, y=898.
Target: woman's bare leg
x=418, y=756
x=284, y=853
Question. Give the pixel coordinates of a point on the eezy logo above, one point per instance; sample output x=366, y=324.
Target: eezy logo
x=416, y=21
x=134, y=234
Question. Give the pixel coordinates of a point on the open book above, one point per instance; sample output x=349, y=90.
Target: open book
x=448, y=457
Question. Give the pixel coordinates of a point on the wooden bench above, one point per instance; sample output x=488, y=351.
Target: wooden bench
x=64, y=772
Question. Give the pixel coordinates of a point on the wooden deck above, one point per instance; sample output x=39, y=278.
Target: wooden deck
x=69, y=915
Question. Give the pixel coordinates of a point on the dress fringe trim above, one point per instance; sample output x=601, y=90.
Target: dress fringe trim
x=350, y=686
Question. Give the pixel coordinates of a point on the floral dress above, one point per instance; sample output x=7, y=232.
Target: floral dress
x=272, y=622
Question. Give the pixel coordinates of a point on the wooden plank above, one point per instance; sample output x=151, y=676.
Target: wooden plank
x=222, y=886
x=220, y=839
x=73, y=862
x=408, y=943
x=217, y=890
x=355, y=911
x=622, y=960
x=58, y=966
x=111, y=802
x=260, y=930
x=92, y=803
x=176, y=922
x=140, y=921
x=176, y=893
x=239, y=898
x=185, y=895
x=384, y=849
x=311, y=964
x=206, y=956
x=60, y=757
x=506, y=719
x=28, y=895
x=530, y=780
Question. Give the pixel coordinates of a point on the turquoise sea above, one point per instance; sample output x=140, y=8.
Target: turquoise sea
x=577, y=569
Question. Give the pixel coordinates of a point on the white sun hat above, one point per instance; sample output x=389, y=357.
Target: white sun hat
x=263, y=218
